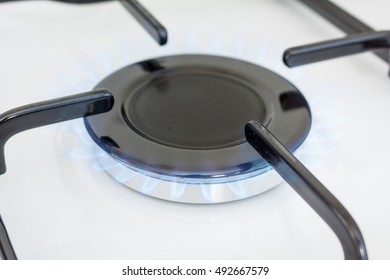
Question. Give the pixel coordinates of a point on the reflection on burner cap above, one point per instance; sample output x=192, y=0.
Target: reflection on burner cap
x=182, y=118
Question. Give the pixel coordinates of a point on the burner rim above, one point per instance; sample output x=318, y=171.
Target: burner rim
x=248, y=168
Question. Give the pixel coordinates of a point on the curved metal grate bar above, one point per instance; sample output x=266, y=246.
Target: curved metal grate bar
x=325, y=50
x=45, y=113
x=139, y=12
x=309, y=188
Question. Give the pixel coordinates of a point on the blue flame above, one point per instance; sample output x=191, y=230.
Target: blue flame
x=106, y=62
x=103, y=166
x=236, y=188
x=124, y=175
x=83, y=153
x=178, y=190
x=149, y=185
x=89, y=71
x=216, y=42
x=126, y=51
x=207, y=192
x=261, y=53
x=192, y=42
x=240, y=48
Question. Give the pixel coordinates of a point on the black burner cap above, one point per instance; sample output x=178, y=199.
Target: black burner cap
x=184, y=116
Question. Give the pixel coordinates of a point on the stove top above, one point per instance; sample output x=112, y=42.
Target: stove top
x=181, y=122
x=58, y=203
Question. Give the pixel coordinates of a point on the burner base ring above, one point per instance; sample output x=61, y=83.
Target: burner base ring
x=183, y=192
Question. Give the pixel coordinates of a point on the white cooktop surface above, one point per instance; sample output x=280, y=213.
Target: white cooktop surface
x=56, y=205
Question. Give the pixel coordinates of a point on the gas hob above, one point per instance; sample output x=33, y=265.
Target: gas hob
x=58, y=203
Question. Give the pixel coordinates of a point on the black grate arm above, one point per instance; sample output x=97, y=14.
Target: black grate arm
x=139, y=12
x=325, y=50
x=6, y=250
x=343, y=20
x=45, y=113
x=309, y=188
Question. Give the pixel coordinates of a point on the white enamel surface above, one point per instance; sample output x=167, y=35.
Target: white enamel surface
x=58, y=205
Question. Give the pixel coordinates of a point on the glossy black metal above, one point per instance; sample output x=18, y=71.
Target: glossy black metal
x=45, y=113
x=49, y=112
x=139, y=12
x=163, y=126
x=65, y=1
x=309, y=188
x=352, y=44
x=6, y=250
x=343, y=20
x=150, y=23
x=79, y=1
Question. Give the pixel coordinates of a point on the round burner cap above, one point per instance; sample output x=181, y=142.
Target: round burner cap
x=182, y=118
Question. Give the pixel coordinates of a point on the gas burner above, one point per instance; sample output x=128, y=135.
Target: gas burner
x=206, y=122
x=181, y=118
